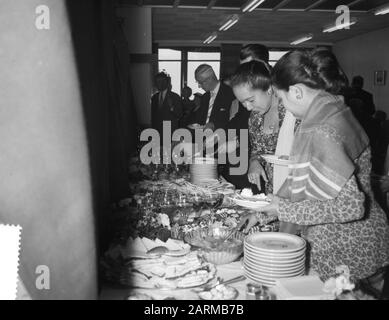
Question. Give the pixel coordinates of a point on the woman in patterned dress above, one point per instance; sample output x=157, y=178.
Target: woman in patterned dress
x=252, y=86
x=328, y=191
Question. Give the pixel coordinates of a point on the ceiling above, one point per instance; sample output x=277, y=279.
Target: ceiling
x=273, y=22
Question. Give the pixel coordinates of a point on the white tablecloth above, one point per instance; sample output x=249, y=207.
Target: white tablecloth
x=226, y=272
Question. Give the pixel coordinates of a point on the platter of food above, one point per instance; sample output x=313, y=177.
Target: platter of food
x=169, y=273
x=141, y=263
x=277, y=160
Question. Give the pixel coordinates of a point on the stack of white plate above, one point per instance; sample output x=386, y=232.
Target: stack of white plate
x=269, y=256
x=203, y=170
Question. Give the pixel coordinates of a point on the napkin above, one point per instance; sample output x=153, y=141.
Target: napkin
x=301, y=288
x=9, y=257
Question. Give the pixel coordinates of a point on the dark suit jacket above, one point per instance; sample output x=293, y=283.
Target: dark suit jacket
x=171, y=110
x=221, y=107
x=365, y=97
x=238, y=122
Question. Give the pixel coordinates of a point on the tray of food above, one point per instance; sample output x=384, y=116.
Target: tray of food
x=155, y=264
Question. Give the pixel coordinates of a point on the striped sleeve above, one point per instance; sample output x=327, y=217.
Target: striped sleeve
x=323, y=170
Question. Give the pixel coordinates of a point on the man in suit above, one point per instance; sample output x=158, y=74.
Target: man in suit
x=165, y=104
x=364, y=96
x=214, y=111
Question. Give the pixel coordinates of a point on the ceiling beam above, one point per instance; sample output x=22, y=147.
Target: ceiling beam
x=176, y=3
x=211, y=4
x=281, y=5
x=316, y=4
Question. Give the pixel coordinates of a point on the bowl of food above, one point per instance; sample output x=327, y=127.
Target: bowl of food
x=218, y=245
x=219, y=292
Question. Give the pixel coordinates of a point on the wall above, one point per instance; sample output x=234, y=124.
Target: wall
x=45, y=176
x=138, y=31
x=363, y=55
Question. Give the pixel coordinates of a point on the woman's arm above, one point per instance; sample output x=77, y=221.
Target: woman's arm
x=346, y=207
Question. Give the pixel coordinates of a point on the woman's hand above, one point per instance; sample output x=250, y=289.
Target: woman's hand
x=273, y=207
x=249, y=220
x=255, y=173
x=384, y=184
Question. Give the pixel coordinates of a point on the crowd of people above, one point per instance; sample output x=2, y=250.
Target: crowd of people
x=304, y=110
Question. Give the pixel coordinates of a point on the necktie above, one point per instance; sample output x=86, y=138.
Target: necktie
x=211, y=102
x=160, y=99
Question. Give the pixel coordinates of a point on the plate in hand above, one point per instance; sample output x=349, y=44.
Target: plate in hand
x=278, y=160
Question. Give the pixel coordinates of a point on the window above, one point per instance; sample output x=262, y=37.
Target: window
x=170, y=61
x=275, y=55
x=181, y=66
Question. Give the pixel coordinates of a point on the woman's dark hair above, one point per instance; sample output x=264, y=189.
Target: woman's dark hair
x=257, y=51
x=317, y=69
x=257, y=74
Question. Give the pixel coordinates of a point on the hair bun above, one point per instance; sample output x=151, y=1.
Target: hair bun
x=317, y=69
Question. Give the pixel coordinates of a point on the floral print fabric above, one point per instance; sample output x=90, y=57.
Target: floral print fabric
x=349, y=230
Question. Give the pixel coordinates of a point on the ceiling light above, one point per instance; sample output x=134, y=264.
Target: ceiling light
x=233, y=20
x=252, y=5
x=303, y=39
x=211, y=38
x=340, y=26
x=382, y=10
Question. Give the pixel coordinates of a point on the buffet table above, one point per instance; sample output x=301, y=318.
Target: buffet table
x=165, y=207
x=225, y=272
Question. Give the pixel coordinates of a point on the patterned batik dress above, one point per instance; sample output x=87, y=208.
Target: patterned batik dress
x=350, y=230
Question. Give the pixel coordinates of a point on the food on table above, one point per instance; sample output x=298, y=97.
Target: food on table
x=247, y=195
x=218, y=245
x=170, y=272
x=139, y=296
x=246, y=192
x=146, y=248
x=220, y=292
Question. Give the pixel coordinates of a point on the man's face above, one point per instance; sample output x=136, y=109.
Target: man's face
x=205, y=81
x=161, y=83
x=248, y=59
